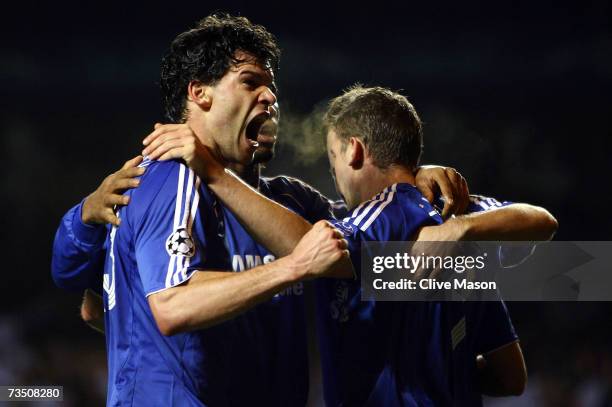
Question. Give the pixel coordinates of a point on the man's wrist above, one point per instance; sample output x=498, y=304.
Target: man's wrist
x=292, y=271
x=461, y=227
x=88, y=233
x=84, y=212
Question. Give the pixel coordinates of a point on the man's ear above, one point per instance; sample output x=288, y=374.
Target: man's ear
x=356, y=151
x=200, y=94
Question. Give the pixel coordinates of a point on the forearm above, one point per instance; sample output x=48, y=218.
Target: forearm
x=209, y=298
x=78, y=252
x=514, y=222
x=92, y=310
x=268, y=222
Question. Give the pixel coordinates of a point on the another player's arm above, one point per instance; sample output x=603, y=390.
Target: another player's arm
x=502, y=372
x=212, y=297
x=78, y=250
x=513, y=222
x=276, y=227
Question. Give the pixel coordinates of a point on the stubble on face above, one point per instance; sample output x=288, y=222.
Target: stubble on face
x=236, y=102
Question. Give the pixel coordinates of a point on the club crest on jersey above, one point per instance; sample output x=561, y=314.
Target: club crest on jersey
x=345, y=227
x=179, y=243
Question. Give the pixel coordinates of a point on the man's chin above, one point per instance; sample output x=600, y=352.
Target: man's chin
x=263, y=155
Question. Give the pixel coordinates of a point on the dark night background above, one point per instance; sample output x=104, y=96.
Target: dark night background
x=516, y=96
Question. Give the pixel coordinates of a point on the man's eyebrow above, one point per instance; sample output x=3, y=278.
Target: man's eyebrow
x=263, y=78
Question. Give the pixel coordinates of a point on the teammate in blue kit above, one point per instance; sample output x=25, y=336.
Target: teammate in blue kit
x=175, y=234
x=364, y=344
x=219, y=79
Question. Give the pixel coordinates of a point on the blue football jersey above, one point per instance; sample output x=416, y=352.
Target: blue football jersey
x=167, y=233
x=270, y=357
x=356, y=336
x=261, y=357
x=401, y=353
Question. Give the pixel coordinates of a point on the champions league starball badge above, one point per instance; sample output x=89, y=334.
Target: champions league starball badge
x=345, y=227
x=180, y=243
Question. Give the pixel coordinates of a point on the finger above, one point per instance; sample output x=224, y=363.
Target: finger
x=123, y=184
x=342, y=244
x=157, y=125
x=161, y=140
x=131, y=172
x=172, y=154
x=112, y=219
x=111, y=200
x=427, y=192
x=447, y=192
x=165, y=147
x=465, y=197
x=454, y=179
x=133, y=162
x=159, y=130
x=323, y=224
x=337, y=234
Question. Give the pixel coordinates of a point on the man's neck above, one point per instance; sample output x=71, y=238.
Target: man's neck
x=378, y=179
x=248, y=173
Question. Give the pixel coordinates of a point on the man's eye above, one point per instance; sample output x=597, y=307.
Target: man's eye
x=250, y=83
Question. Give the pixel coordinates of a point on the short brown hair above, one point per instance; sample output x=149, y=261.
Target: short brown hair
x=384, y=120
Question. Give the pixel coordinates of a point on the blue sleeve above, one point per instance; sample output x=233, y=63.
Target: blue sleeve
x=78, y=255
x=496, y=329
x=169, y=241
x=293, y=193
x=510, y=255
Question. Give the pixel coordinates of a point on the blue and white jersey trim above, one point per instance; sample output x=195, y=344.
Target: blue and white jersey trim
x=187, y=200
x=366, y=213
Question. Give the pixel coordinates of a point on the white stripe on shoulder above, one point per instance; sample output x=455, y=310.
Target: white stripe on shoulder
x=177, y=217
x=477, y=199
x=377, y=197
x=145, y=162
x=194, y=210
x=373, y=217
x=189, y=214
x=370, y=204
x=183, y=224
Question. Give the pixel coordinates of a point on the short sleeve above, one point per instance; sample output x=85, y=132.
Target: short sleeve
x=169, y=242
x=496, y=329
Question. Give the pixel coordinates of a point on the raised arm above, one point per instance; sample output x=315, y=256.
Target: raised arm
x=78, y=248
x=512, y=222
x=209, y=297
x=276, y=227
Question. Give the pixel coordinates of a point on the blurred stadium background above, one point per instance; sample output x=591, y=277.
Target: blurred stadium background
x=516, y=96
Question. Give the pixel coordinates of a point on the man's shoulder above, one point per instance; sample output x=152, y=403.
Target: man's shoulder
x=291, y=191
x=162, y=184
x=393, y=214
x=287, y=183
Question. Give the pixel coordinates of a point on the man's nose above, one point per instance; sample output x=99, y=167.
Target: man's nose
x=267, y=97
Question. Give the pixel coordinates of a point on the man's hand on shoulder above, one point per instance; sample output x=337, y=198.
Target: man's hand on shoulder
x=432, y=180
x=98, y=207
x=178, y=141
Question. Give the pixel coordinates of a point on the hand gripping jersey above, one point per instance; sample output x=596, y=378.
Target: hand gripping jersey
x=400, y=353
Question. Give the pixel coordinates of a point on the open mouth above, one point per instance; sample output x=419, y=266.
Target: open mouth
x=252, y=129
